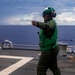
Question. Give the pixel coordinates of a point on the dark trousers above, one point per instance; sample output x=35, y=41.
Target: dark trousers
x=48, y=59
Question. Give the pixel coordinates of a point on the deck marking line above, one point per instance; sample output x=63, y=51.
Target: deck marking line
x=15, y=66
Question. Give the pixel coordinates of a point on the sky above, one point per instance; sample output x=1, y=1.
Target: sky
x=22, y=12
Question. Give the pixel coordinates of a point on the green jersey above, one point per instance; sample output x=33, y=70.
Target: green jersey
x=48, y=35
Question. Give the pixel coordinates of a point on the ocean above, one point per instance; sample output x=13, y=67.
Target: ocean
x=27, y=34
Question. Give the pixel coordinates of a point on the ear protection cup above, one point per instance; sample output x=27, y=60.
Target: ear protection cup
x=53, y=14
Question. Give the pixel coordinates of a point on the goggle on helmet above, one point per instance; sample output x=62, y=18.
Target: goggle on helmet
x=49, y=11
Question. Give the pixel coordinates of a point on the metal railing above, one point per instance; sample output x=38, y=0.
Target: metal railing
x=25, y=46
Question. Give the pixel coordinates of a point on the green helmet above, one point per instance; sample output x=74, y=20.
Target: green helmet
x=49, y=11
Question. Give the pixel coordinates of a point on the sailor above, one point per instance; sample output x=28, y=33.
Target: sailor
x=48, y=43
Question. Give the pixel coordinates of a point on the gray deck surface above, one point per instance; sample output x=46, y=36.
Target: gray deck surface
x=66, y=66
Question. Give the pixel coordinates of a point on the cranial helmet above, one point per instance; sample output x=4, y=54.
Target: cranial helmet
x=49, y=11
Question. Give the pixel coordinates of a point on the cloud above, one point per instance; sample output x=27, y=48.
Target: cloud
x=62, y=19
x=74, y=9
x=22, y=19
x=66, y=18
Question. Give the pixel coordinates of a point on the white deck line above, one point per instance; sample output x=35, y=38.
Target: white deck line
x=15, y=66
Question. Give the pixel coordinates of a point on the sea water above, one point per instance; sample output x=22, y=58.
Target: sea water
x=27, y=34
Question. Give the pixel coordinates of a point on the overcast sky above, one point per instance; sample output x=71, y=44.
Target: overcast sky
x=21, y=12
